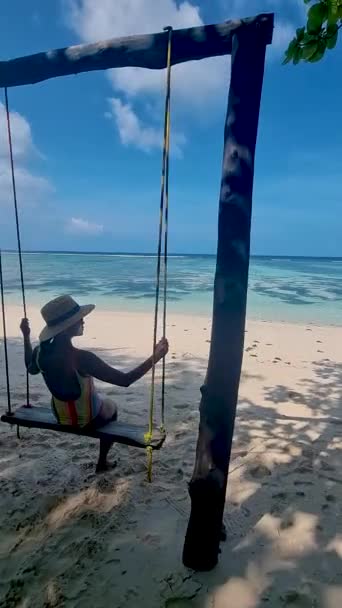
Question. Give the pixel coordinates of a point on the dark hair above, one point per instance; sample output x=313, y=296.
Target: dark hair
x=45, y=351
x=46, y=345
x=52, y=356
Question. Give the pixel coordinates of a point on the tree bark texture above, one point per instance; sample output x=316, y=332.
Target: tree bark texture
x=220, y=391
x=147, y=51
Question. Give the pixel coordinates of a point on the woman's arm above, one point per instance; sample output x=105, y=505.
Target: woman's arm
x=29, y=353
x=91, y=365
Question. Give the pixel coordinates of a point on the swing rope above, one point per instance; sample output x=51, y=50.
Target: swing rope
x=15, y=201
x=163, y=224
x=8, y=386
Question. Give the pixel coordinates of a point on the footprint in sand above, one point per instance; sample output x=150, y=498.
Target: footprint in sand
x=35, y=396
x=240, y=454
x=280, y=495
x=181, y=406
x=63, y=444
x=151, y=539
x=325, y=466
x=297, y=599
x=259, y=471
x=113, y=561
x=294, y=396
x=287, y=522
x=330, y=498
x=303, y=468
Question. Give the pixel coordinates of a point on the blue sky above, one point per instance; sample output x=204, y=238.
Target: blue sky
x=88, y=148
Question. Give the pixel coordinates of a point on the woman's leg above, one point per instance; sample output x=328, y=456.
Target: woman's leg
x=102, y=464
x=108, y=410
x=107, y=413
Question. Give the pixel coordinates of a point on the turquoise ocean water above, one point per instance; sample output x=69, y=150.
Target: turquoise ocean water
x=283, y=289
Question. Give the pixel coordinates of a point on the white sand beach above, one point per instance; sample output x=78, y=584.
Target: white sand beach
x=69, y=538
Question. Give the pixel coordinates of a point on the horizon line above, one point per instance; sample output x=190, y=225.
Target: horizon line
x=154, y=254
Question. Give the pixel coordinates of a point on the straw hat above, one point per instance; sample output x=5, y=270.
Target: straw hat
x=60, y=314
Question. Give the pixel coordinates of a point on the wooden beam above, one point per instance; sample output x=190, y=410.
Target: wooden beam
x=220, y=392
x=148, y=51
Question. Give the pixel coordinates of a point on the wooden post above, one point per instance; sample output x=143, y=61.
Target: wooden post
x=207, y=488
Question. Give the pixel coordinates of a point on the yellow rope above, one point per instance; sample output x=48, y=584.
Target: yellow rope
x=149, y=451
x=163, y=212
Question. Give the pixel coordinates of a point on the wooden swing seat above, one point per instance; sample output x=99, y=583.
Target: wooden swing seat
x=118, y=432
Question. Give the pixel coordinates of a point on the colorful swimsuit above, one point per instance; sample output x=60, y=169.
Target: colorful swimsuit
x=76, y=412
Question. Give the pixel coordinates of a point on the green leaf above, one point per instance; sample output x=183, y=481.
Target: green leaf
x=317, y=14
x=310, y=38
x=317, y=56
x=307, y=1
x=289, y=54
x=320, y=51
x=333, y=12
x=322, y=45
x=297, y=55
x=331, y=36
x=332, y=29
x=309, y=50
x=314, y=31
x=300, y=33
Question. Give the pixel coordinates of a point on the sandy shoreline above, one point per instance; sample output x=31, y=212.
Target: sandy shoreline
x=68, y=538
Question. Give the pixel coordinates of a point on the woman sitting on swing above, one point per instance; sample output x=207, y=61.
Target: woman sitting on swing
x=69, y=372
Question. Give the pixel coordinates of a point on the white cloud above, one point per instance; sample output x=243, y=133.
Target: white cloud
x=197, y=86
x=21, y=135
x=94, y=20
x=31, y=188
x=80, y=226
x=196, y=82
x=194, y=85
x=133, y=132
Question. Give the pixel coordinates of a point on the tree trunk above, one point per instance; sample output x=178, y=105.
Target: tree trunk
x=207, y=488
